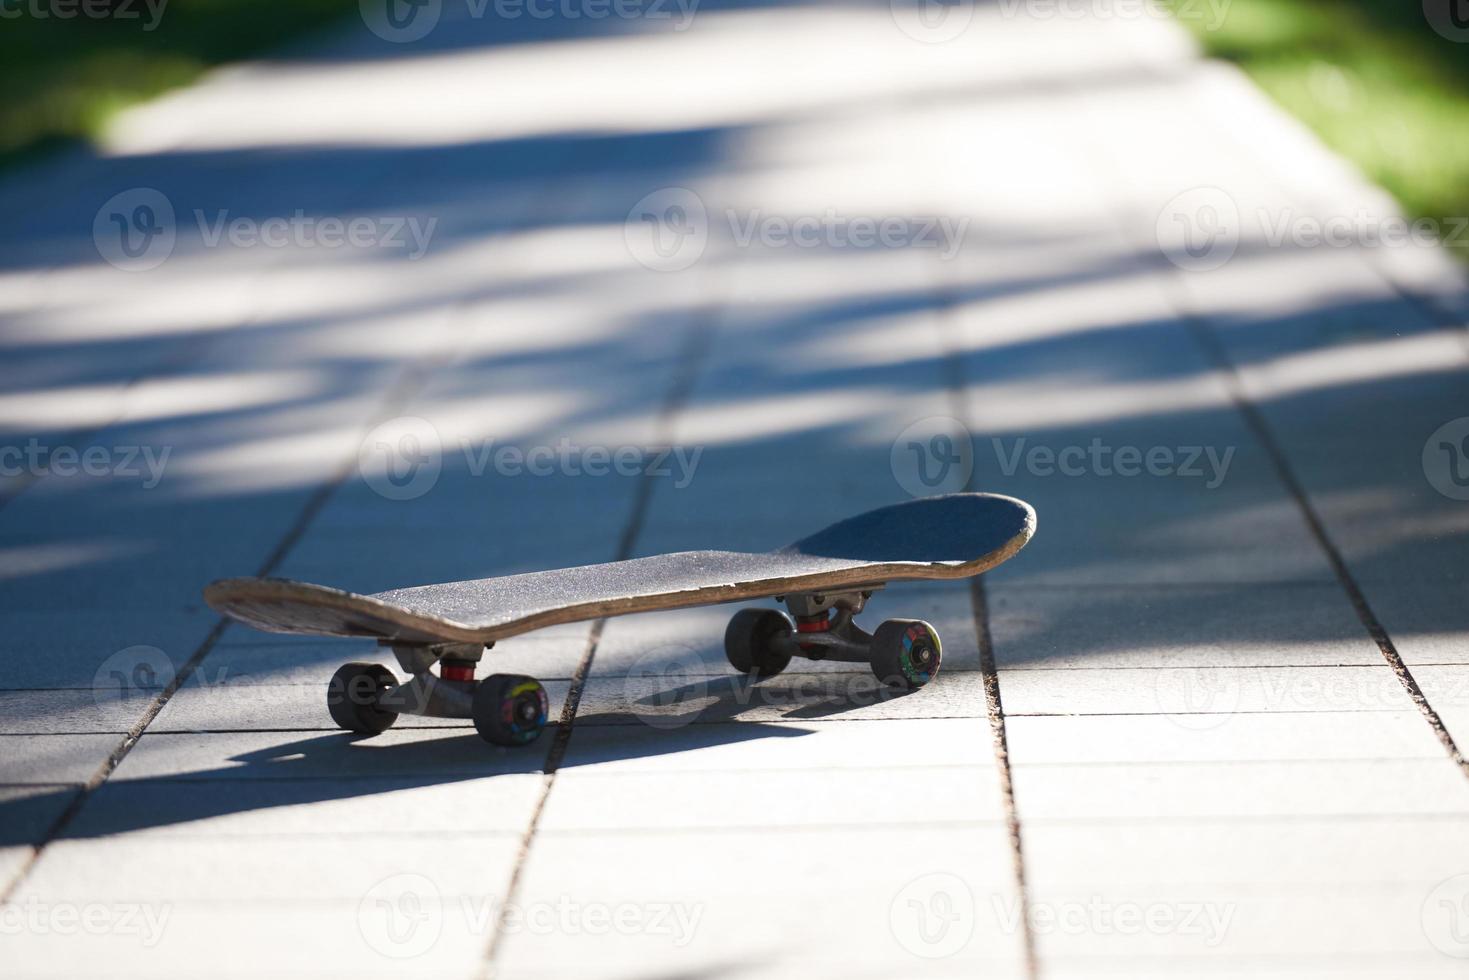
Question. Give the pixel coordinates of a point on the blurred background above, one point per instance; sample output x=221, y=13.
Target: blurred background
x=390, y=292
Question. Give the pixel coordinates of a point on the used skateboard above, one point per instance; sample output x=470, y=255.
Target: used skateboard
x=824, y=580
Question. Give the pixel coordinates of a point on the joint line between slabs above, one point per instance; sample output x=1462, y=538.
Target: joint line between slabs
x=399, y=393
x=690, y=361
x=954, y=380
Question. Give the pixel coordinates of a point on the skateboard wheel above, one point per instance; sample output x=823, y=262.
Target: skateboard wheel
x=510, y=709
x=352, y=698
x=906, y=653
x=749, y=641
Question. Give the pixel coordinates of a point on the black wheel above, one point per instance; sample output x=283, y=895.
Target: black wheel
x=510, y=709
x=906, y=653
x=749, y=641
x=352, y=698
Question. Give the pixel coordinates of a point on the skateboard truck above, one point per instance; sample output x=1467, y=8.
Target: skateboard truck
x=903, y=653
x=507, y=709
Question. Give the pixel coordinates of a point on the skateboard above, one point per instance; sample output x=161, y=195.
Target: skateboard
x=823, y=580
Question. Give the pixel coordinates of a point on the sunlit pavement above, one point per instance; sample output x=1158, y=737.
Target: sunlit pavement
x=400, y=311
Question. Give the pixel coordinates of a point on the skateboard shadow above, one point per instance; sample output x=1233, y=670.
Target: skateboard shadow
x=713, y=700
x=320, y=769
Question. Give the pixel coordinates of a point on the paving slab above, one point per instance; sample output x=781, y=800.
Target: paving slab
x=1270, y=736
x=586, y=800
x=779, y=918
x=1183, y=791
x=1301, y=849
x=1273, y=625
x=53, y=758
x=1207, y=697
x=404, y=806
x=317, y=755
x=784, y=746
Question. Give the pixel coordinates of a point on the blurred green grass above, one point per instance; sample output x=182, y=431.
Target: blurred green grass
x=1372, y=78
x=64, y=78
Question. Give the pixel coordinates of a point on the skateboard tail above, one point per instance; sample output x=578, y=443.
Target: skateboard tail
x=303, y=609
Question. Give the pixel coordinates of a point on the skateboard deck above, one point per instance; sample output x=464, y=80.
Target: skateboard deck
x=947, y=537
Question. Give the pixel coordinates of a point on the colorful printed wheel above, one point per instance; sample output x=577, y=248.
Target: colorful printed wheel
x=352, y=698
x=749, y=641
x=906, y=653
x=509, y=709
